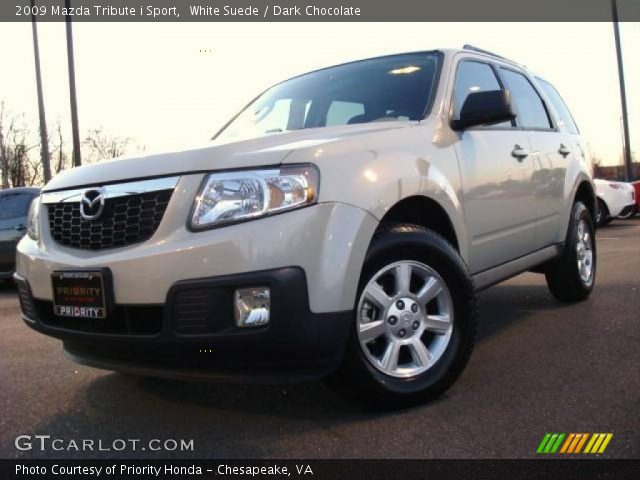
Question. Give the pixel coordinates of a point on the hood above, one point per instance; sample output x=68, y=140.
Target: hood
x=257, y=152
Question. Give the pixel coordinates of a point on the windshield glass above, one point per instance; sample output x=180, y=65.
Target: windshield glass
x=390, y=88
x=14, y=205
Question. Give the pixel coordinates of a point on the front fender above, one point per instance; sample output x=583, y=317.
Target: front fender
x=376, y=173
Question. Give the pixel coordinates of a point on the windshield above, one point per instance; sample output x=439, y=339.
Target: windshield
x=397, y=87
x=15, y=205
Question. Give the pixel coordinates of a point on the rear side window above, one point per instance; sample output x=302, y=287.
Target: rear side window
x=531, y=110
x=558, y=103
x=14, y=205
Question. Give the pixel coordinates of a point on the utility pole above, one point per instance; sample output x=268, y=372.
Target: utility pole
x=628, y=170
x=72, y=90
x=44, y=142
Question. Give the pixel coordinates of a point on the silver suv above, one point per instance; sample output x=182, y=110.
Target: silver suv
x=339, y=226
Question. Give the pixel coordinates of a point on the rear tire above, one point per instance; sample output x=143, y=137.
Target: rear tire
x=603, y=218
x=632, y=212
x=571, y=277
x=410, y=357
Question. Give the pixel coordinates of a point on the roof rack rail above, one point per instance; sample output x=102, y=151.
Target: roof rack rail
x=486, y=52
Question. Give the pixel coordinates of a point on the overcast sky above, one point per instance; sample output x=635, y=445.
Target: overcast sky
x=169, y=85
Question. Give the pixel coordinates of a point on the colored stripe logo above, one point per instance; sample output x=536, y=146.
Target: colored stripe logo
x=574, y=443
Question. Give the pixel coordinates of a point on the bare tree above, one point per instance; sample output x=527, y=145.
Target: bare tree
x=100, y=146
x=4, y=162
x=18, y=168
x=596, y=161
x=59, y=156
x=20, y=164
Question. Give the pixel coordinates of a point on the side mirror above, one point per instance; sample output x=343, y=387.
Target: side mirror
x=485, y=108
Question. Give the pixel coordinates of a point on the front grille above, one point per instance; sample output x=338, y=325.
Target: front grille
x=124, y=221
x=123, y=320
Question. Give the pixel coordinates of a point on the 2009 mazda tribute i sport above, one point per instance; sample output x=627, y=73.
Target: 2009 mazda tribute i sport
x=339, y=226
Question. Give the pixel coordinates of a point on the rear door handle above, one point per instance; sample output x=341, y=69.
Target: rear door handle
x=519, y=153
x=564, y=151
x=20, y=228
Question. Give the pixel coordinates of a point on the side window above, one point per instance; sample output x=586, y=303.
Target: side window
x=276, y=118
x=281, y=115
x=341, y=113
x=531, y=111
x=559, y=105
x=472, y=77
x=14, y=205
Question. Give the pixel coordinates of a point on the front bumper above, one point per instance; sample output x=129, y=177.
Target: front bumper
x=311, y=258
x=6, y=275
x=328, y=241
x=192, y=334
x=7, y=259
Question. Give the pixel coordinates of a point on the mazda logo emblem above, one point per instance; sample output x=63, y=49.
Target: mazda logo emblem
x=92, y=203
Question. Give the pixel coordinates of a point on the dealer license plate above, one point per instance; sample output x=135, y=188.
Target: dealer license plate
x=80, y=293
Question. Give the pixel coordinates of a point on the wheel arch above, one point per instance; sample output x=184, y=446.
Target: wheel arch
x=587, y=195
x=425, y=212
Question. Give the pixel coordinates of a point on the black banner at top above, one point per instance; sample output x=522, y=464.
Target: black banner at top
x=318, y=10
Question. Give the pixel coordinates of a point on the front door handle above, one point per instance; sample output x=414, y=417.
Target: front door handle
x=20, y=228
x=519, y=153
x=564, y=151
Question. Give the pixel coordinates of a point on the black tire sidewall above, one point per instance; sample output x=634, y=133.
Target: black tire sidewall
x=426, y=247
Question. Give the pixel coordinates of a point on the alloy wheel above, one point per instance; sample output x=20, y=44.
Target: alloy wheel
x=405, y=319
x=584, y=250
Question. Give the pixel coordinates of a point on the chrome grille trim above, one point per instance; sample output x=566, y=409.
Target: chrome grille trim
x=130, y=214
x=114, y=190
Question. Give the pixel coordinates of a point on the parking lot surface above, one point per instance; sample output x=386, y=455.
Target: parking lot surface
x=539, y=366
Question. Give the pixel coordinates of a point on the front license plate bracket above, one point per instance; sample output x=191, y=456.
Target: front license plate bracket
x=82, y=293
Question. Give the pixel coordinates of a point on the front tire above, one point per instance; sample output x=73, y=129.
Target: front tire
x=415, y=321
x=571, y=277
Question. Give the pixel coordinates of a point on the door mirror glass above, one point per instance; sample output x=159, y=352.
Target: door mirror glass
x=485, y=108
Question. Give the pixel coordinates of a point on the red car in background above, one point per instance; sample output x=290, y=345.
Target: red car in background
x=630, y=213
x=636, y=185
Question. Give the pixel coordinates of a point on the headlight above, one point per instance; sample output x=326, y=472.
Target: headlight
x=32, y=219
x=246, y=194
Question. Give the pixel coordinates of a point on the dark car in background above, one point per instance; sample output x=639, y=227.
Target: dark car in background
x=14, y=208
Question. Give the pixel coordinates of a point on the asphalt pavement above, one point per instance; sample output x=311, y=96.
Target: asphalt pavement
x=539, y=366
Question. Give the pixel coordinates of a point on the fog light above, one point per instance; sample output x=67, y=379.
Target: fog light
x=252, y=306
